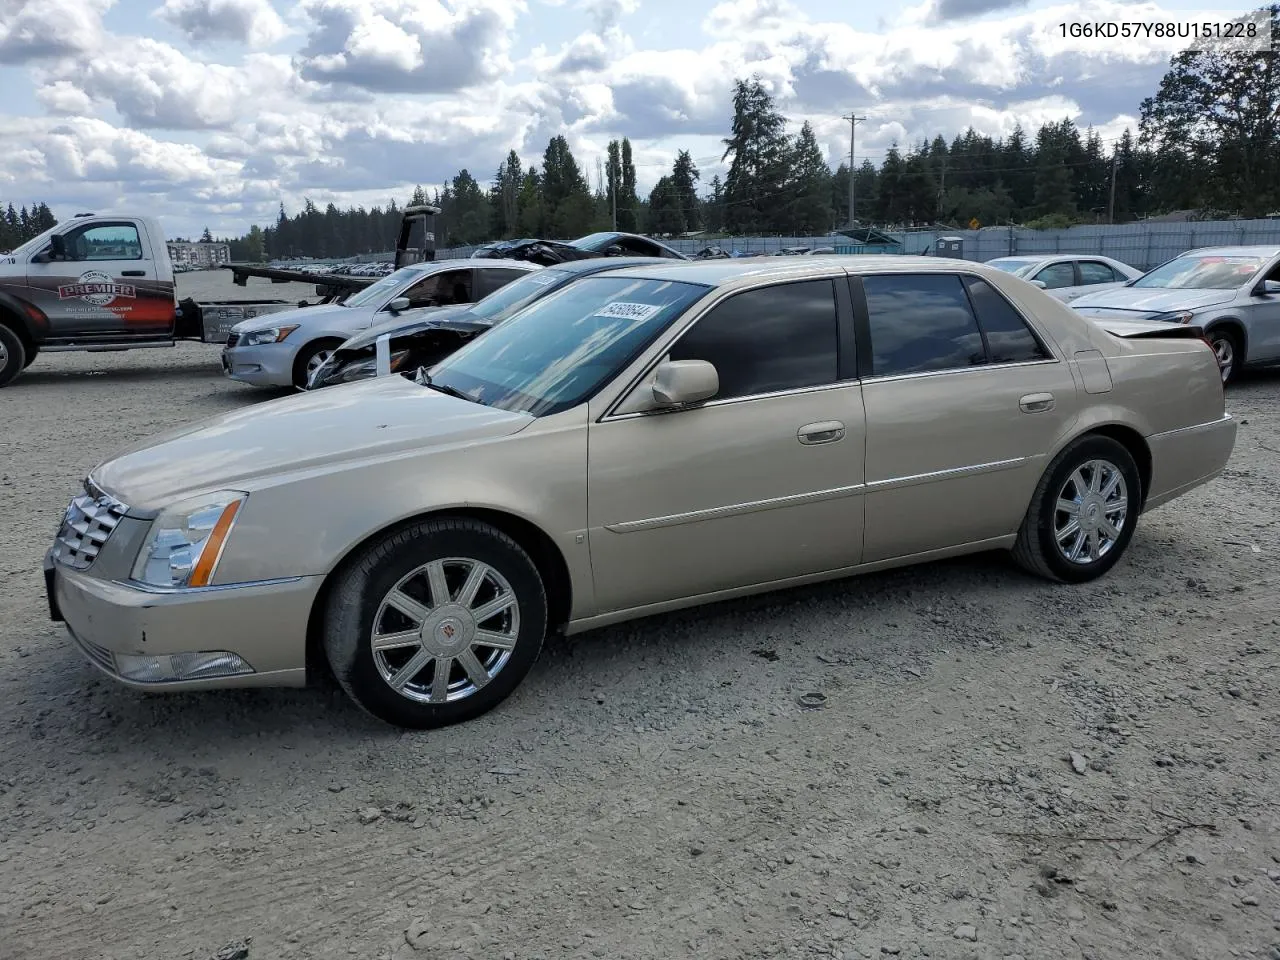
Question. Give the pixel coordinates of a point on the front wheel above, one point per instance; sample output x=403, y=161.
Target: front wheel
x=436, y=624
x=13, y=355
x=1083, y=512
x=1226, y=347
x=310, y=358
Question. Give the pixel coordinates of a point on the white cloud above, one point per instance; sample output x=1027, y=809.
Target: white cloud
x=251, y=22
x=32, y=30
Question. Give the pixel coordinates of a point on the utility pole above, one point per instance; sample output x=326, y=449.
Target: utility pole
x=1111, y=208
x=854, y=120
x=613, y=190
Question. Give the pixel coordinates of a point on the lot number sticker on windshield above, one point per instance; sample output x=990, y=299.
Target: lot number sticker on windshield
x=621, y=310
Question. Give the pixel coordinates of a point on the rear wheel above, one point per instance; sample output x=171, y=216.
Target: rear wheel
x=13, y=355
x=1229, y=351
x=1083, y=512
x=310, y=359
x=436, y=624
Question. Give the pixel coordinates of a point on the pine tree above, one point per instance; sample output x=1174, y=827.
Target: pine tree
x=684, y=179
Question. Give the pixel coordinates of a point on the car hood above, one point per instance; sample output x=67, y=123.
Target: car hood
x=297, y=315
x=434, y=317
x=302, y=433
x=1148, y=301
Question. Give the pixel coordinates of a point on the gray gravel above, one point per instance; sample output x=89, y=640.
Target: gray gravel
x=955, y=761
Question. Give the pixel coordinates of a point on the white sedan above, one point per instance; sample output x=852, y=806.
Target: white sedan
x=283, y=349
x=1067, y=277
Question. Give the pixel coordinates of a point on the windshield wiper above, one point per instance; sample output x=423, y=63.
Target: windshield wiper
x=424, y=379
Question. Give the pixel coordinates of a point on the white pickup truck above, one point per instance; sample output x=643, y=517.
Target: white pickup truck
x=102, y=283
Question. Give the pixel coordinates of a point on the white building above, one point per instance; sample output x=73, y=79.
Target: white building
x=183, y=253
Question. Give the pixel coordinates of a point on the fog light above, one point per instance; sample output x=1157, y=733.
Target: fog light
x=180, y=666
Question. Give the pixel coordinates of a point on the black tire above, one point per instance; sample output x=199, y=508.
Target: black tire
x=1037, y=550
x=357, y=600
x=13, y=355
x=32, y=353
x=312, y=351
x=1224, y=337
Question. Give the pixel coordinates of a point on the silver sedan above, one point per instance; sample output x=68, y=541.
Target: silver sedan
x=1068, y=276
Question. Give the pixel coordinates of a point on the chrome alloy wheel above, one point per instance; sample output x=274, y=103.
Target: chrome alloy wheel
x=1225, y=351
x=315, y=362
x=1092, y=509
x=445, y=630
x=4, y=355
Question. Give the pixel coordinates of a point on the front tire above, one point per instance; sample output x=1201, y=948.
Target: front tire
x=1083, y=512
x=13, y=355
x=1229, y=351
x=436, y=624
x=309, y=360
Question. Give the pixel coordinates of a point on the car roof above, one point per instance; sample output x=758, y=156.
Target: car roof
x=600, y=264
x=1254, y=251
x=743, y=270
x=467, y=263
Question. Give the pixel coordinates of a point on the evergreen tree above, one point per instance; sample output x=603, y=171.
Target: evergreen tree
x=758, y=174
x=810, y=211
x=684, y=179
x=665, y=214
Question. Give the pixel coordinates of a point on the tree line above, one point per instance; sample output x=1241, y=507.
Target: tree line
x=18, y=225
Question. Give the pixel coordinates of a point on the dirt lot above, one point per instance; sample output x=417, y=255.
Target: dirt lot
x=657, y=790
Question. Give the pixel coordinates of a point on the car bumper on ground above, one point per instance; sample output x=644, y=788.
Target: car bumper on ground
x=267, y=365
x=1186, y=458
x=249, y=635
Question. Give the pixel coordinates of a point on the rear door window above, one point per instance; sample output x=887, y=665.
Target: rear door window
x=921, y=323
x=1009, y=339
x=1092, y=271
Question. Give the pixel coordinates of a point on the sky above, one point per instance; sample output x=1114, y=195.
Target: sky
x=214, y=112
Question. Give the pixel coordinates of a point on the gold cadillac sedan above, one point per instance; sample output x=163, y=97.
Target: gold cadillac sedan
x=642, y=440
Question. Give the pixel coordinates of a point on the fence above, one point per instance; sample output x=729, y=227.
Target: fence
x=1142, y=245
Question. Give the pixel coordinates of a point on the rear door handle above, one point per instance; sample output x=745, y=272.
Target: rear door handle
x=1036, y=403
x=828, y=431
x=133, y=273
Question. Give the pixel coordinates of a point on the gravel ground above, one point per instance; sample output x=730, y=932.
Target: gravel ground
x=1000, y=767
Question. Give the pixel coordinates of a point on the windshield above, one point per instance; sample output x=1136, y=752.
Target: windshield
x=1202, y=273
x=377, y=292
x=507, y=300
x=592, y=241
x=34, y=244
x=1012, y=266
x=557, y=352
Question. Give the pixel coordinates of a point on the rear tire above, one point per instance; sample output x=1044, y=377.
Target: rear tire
x=13, y=355
x=1229, y=351
x=309, y=358
x=1083, y=512
x=32, y=353
x=407, y=632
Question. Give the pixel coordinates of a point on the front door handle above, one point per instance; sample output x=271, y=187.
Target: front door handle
x=828, y=431
x=1036, y=403
x=133, y=273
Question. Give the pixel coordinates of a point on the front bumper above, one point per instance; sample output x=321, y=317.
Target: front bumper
x=120, y=629
x=265, y=365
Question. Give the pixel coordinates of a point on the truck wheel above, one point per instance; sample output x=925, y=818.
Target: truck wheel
x=13, y=355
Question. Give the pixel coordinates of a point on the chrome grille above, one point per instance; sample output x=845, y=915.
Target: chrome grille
x=86, y=527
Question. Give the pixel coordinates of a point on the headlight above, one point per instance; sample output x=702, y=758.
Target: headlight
x=1181, y=316
x=186, y=541
x=255, y=338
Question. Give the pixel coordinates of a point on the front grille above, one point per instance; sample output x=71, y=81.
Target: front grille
x=232, y=339
x=86, y=527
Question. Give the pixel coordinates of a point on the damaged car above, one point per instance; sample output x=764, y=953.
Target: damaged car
x=429, y=337
x=551, y=252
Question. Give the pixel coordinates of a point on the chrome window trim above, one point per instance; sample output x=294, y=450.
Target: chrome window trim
x=977, y=368
x=724, y=294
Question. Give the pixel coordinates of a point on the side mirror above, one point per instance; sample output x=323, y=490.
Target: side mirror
x=399, y=304
x=1266, y=288
x=1038, y=283
x=679, y=382
x=58, y=247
